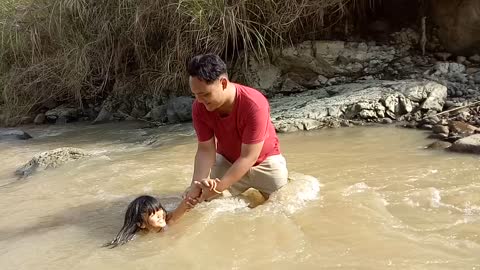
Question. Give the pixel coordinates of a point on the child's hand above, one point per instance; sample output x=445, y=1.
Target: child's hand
x=190, y=202
x=192, y=192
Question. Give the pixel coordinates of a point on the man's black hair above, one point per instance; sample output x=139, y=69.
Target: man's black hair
x=206, y=67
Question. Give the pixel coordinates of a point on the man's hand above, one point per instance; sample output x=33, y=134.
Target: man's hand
x=208, y=188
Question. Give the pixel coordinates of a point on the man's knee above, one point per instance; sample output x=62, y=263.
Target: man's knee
x=270, y=175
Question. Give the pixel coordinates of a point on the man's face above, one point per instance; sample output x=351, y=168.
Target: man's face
x=210, y=95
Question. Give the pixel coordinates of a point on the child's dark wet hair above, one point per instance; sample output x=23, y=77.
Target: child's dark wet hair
x=142, y=206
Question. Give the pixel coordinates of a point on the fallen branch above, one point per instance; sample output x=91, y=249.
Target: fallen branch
x=454, y=109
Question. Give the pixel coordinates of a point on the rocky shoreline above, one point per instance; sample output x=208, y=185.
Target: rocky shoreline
x=322, y=84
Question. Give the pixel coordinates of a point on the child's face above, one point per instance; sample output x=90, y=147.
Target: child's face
x=155, y=222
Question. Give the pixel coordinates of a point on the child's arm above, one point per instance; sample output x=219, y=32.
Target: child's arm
x=183, y=207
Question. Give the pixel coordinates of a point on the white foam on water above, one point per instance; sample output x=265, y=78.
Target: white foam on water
x=429, y=197
x=289, y=199
x=215, y=208
x=355, y=188
x=294, y=196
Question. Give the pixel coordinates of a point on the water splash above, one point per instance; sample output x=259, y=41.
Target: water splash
x=294, y=196
x=289, y=199
x=355, y=188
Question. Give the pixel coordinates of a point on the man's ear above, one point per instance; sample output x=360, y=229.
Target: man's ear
x=224, y=82
x=141, y=226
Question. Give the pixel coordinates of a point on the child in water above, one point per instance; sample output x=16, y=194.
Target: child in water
x=146, y=214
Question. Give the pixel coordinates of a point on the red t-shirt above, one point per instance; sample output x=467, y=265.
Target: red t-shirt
x=248, y=122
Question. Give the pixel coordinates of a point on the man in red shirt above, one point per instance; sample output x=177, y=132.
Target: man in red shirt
x=237, y=147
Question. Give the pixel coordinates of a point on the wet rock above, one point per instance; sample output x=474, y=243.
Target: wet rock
x=450, y=104
x=346, y=124
x=470, y=144
x=461, y=59
x=387, y=121
x=461, y=127
x=441, y=136
x=51, y=159
x=179, y=109
x=438, y=145
x=476, y=77
x=426, y=126
x=459, y=77
x=158, y=113
x=290, y=86
x=309, y=124
x=26, y=120
x=463, y=116
x=317, y=81
x=439, y=129
x=15, y=134
x=474, y=58
x=432, y=120
x=39, y=119
x=452, y=137
x=103, y=116
x=62, y=114
x=456, y=68
x=411, y=124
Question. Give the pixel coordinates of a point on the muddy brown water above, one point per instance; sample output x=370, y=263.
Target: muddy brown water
x=361, y=198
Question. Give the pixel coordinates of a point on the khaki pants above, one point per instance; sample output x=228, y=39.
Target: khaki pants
x=266, y=177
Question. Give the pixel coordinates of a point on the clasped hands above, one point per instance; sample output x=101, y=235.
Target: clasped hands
x=201, y=191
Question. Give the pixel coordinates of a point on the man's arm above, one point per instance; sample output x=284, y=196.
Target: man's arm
x=248, y=156
x=204, y=160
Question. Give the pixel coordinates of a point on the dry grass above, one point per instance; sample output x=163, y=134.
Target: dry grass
x=78, y=50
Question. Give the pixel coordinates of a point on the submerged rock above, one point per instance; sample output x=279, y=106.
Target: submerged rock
x=439, y=145
x=51, y=159
x=15, y=134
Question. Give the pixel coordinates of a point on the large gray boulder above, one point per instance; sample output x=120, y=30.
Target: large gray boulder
x=367, y=101
x=470, y=144
x=179, y=109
